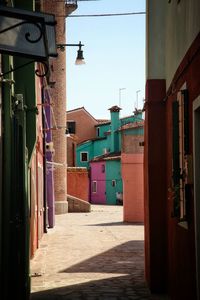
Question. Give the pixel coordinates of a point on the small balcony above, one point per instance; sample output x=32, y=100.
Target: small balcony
x=70, y=6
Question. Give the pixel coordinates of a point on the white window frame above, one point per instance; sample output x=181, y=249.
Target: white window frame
x=81, y=153
x=196, y=147
x=94, y=184
x=114, y=183
x=98, y=131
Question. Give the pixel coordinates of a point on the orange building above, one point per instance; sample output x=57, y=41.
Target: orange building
x=132, y=172
x=81, y=127
x=78, y=183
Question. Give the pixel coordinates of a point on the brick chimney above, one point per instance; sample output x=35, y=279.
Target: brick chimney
x=115, y=123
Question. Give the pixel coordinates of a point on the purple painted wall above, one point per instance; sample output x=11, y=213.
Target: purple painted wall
x=98, y=175
x=49, y=167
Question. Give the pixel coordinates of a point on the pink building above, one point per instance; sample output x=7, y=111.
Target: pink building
x=133, y=196
x=132, y=172
x=98, y=182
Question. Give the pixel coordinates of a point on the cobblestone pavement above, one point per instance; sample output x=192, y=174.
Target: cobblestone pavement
x=91, y=256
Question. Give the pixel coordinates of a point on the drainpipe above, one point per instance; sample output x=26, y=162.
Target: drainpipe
x=48, y=154
x=45, y=215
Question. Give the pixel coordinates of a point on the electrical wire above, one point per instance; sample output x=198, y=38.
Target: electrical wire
x=108, y=15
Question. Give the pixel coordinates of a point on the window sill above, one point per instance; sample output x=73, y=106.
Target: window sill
x=183, y=224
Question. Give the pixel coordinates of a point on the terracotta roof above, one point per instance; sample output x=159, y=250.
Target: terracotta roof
x=102, y=121
x=132, y=125
x=108, y=156
x=81, y=108
x=91, y=140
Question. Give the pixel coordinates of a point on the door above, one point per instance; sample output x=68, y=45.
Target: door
x=98, y=183
x=196, y=147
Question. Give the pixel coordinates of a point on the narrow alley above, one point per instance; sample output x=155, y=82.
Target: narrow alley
x=91, y=256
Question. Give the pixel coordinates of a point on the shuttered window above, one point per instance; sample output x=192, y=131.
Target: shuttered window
x=71, y=125
x=94, y=186
x=175, y=162
x=180, y=146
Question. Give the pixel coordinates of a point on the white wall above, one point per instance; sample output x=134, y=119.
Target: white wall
x=182, y=26
x=170, y=30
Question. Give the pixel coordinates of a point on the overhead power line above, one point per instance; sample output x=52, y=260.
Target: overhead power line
x=108, y=15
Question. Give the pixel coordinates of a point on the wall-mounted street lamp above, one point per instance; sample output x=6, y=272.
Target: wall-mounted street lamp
x=79, y=58
x=27, y=34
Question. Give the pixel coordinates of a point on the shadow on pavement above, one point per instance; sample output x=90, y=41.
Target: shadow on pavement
x=126, y=258
x=122, y=287
x=117, y=224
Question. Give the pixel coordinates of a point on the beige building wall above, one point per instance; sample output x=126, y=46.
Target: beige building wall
x=84, y=130
x=85, y=124
x=177, y=22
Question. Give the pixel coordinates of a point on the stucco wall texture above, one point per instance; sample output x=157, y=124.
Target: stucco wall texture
x=78, y=183
x=85, y=124
x=133, y=195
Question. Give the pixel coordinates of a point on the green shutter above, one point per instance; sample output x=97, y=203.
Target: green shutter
x=186, y=122
x=176, y=164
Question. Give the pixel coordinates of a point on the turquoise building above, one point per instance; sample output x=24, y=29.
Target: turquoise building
x=102, y=157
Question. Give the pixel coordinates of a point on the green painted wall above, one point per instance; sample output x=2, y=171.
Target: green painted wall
x=94, y=148
x=99, y=146
x=115, y=124
x=113, y=172
x=102, y=129
x=134, y=131
x=85, y=147
x=7, y=189
x=17, y=138
x=25, y=84
x=127, y=120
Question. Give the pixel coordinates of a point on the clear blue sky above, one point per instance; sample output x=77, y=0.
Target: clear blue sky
x=114, y=53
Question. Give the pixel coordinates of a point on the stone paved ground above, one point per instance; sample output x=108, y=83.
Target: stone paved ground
x=91, y=256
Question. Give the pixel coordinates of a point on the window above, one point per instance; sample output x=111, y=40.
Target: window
x=71, y=125
x=84, y=156
x=180, y=144
x=98, y=131
x=102, y=168
x=94, y=186
x=113, y=183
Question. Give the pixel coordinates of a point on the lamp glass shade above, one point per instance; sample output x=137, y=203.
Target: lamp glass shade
x=80, y=58
x=79, y=62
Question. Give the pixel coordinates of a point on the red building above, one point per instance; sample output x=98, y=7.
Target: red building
x=172, y=147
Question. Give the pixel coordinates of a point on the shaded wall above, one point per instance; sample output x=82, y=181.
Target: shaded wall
x=155, y=199
x=181, y=240
x=170, y=262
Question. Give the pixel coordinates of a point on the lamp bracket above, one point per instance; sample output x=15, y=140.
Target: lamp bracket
x=62, y=46
x=27, y=34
